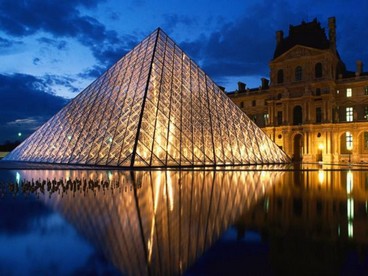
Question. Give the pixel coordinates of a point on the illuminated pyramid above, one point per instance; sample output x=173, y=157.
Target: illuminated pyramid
x=154, y=108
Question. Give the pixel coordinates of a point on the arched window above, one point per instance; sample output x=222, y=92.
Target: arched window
x=298, y=73
x=280, y=76
x=318, y=70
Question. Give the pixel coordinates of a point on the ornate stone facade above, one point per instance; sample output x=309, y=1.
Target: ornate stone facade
x=314, y=109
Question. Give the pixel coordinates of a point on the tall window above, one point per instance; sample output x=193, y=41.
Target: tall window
x=366, y=90
x=254, y=103
x=318, y=115
x=318, y=70
x=349, y=92
x=266, y=118
x=279, y=118
x=298, y=73
x=365, y=140
x=280, y=76
x=349, y=114
x=349, y=140
x=297, y=115
x=366, y=112
x=241, y=104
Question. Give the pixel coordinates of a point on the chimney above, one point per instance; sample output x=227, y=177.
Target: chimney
x=332, y=32
x=279, y=37
x=264, y=83
x=359, y=68
x=241, y=86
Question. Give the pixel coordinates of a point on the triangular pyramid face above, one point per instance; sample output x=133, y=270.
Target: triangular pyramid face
x=154, y=108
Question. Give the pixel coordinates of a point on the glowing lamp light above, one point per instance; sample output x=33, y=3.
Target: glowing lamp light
x=320, y=146
x=19, y=134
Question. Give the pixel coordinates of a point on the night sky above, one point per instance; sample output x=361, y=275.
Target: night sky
x=51, y=50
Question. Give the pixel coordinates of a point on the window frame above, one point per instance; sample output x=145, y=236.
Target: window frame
x=349, y=92
x=349, y=112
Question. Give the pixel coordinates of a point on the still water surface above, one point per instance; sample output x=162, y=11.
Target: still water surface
x=267, y=220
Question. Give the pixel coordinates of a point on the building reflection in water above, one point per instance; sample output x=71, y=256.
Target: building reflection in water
x=313, y=219
x=157, y=222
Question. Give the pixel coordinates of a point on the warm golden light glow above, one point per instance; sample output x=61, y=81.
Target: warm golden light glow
x=320, y=146
x=155, y=204
x=349, y=182
x=321, y=176
x=170, y=190
x=349, y=141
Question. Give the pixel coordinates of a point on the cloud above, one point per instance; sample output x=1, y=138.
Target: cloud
x=32, y=123
x=25, y=98
x=245, y=46
x=64, y=81
x=7, y=43
x=94, y=72
x=171, y=21
x=20, y=18
x=58, y=44
x=61, y=19
x=36, y=61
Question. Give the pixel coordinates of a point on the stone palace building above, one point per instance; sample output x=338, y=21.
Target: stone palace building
x=312, y=107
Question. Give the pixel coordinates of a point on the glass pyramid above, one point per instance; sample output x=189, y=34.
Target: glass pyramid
x=154, y=108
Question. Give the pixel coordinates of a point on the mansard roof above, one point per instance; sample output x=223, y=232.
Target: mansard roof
x=309, y=34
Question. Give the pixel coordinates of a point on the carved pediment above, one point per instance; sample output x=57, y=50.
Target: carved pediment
x=298, y=52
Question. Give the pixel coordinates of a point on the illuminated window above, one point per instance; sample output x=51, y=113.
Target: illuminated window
x=349, y=140
x=366, y=112
x=298, y=73
x=366, y=90
x=266, y=118
x=349, y=114
x=349, y=92
x=337, y=92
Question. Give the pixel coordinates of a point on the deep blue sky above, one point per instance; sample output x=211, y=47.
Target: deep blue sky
x=50, y=50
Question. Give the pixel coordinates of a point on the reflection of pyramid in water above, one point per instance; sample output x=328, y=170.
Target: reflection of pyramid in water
x=154, y=107
x=164, y=224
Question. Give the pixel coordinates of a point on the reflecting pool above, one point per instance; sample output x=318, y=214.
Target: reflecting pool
x=259, y=220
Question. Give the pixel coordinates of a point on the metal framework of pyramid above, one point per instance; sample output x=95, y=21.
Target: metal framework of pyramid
x=153, y=108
